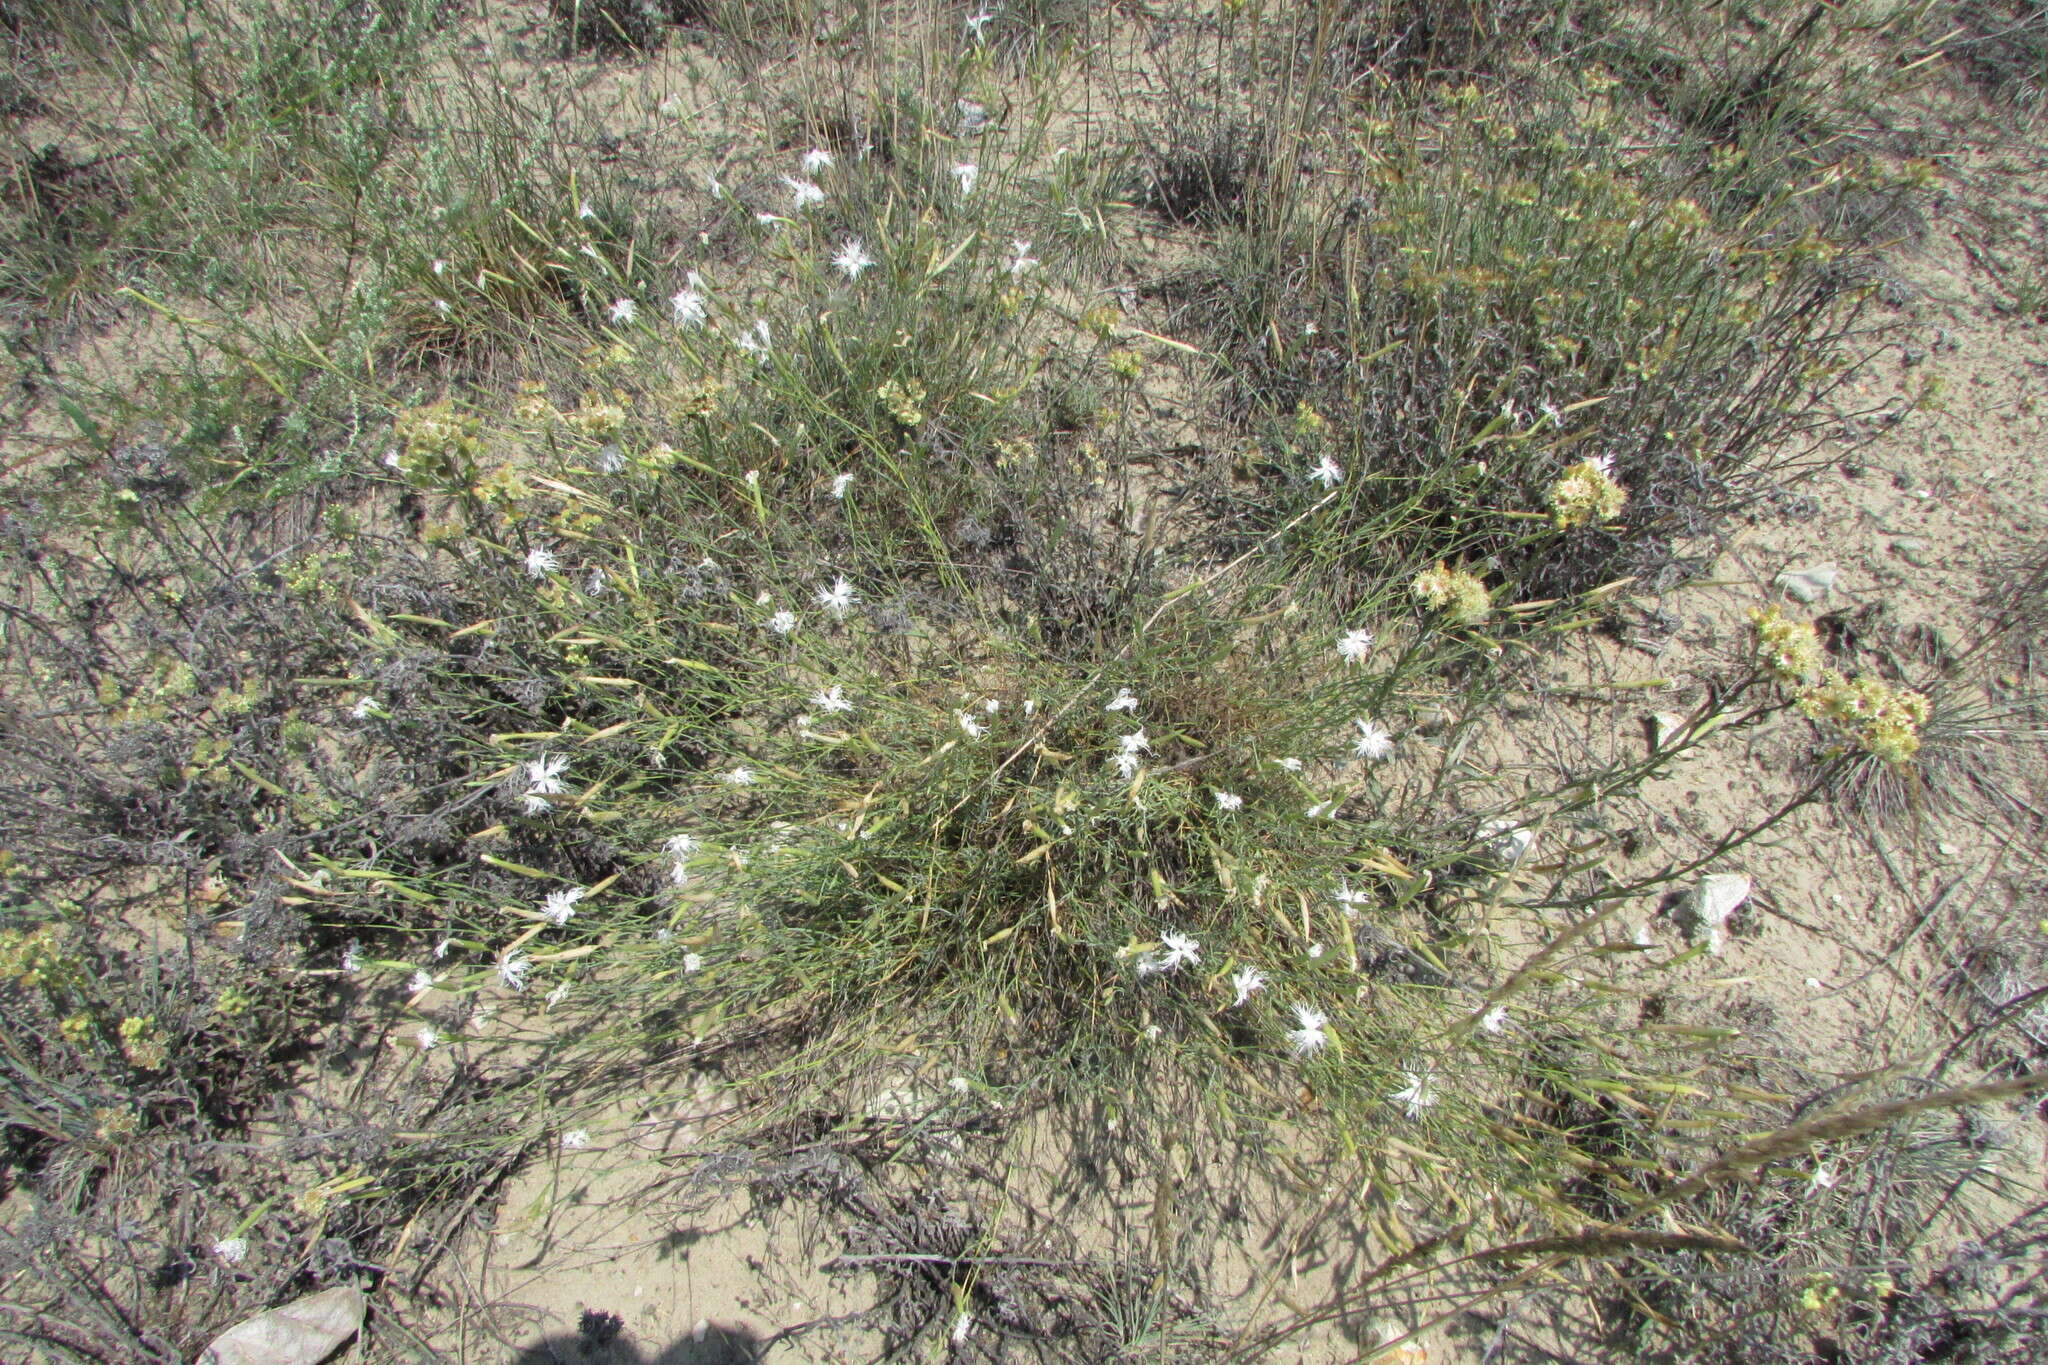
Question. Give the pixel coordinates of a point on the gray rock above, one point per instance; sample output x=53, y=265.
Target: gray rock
x=1809, y=584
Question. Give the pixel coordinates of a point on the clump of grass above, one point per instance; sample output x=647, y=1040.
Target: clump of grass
x=1966, y=758
x=1434, y=39
x=612, y=25
x=63, y=215
x=1204, y=173
x=1021, y=32
x=2001, y=46
x=825, y=812
x=1836, y=1240
x=1487, y=321
x=243, y=147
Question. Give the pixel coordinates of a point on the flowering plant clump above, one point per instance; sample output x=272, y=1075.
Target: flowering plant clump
x=144, y=1043
x=36, y=958
x=1460, y=595
x=596, y=419
x=902, y=398
x=1586, y=494
x=440, y=444
x=1790, y=649
x=1881, y=719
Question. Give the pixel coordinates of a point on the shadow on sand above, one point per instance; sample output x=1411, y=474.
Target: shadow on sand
x=599, y=1340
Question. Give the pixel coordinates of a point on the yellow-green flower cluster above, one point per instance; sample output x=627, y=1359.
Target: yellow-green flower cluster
x=1586, y=494
x=598, y=421
x=37, y=959
x=435, y=428
x=1103, y=321
x=532, y=403
x=440, y=443
x=902, y=400
x=1790, y=649
x=1459, y=595
x=698, y=400
x=114, y=1124
x=1882, y=719
x=144, y=1043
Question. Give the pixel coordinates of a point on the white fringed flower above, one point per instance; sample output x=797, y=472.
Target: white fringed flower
x=754, y=341
x=1418, y=1094
x=1247, y=982
x=1175, y=950
x=512, y=970
x=803, y=193
x=1309, y=1038
x=560, y=906
x=1373, y=742
x=544, y=774
x=852, y=259
x=1354, y=645
x=687, y=304
x=838, y=598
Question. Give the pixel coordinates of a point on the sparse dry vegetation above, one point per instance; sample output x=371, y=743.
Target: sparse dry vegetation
x=942, y=622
